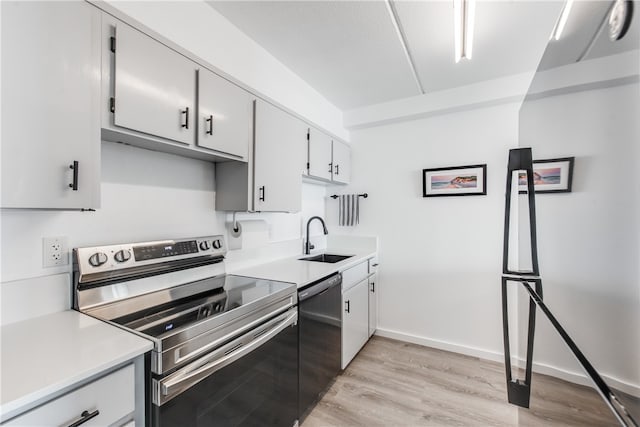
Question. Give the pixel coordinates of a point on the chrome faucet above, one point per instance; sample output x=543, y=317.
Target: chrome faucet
x=308, y=246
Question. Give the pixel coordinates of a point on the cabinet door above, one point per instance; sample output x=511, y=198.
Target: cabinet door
x=279, y=149
x=373, y=304
x=50, y=105
x=225, y=114
x=341, y=162
x=305, y=156
x=154, y=87
x=355, y=320
x=100, y=403
x=319, y=154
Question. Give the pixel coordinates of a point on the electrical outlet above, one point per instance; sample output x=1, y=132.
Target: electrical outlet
x=54, y=251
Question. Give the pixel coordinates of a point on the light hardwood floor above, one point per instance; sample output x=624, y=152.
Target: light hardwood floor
x=393, y=383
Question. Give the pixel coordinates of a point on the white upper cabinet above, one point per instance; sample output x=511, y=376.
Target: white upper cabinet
x=279, y=151
x=50, y=105
x=154, y=87
x=320, y=165
x=329, y=160
x=225, y=115
x=341, y=162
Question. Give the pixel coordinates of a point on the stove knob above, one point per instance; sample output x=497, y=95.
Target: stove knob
x=204, y=245
x=123, y=255
x=98, y=259
x=217, y=244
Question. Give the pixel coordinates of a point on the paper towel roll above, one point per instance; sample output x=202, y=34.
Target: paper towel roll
x=251, y=233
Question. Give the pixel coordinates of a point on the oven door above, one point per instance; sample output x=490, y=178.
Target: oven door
x=252, y=380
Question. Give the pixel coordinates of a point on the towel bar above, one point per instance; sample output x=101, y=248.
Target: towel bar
x=365, y=195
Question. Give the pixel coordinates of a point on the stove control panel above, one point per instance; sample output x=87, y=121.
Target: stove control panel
x=102, y=259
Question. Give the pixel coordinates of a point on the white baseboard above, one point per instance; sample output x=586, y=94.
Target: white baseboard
x=574, y=377
x=441, y=345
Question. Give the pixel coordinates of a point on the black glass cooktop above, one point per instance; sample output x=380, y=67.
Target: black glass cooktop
x=189, y=304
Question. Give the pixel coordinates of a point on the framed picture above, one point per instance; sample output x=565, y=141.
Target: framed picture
x=455, y=181
x=549, y=176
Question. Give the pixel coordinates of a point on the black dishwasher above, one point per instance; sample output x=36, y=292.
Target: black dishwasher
x=319, y=326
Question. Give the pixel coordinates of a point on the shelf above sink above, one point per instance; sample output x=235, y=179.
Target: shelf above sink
x=328, y=258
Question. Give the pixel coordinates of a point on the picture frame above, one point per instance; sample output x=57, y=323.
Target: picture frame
x=550, y=176
x=455, y=181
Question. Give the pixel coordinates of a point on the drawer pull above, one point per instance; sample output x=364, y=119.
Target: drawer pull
x=85, y=416
x=347, y=306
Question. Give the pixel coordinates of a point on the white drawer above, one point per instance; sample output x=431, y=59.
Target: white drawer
x=373, y=265
x=354, y=275
x=113, y=396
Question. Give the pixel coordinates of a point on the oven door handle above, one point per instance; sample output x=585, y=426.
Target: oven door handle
x=182, y=357
x=185, y=378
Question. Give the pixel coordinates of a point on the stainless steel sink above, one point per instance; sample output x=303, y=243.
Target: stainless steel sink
x=330, y=258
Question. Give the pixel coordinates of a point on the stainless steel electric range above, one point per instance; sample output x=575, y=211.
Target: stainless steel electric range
x=225, y=347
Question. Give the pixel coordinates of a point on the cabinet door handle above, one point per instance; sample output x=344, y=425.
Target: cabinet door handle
x=75, y=167
x=186, y=117
x=337, y=169
x=262, y=193
x=330, y=167
x=373, y=287
x=210, y=121
x=84, y=417
x=347, y=306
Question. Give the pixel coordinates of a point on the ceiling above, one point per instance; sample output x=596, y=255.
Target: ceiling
x=584, y=39
x=351, y=53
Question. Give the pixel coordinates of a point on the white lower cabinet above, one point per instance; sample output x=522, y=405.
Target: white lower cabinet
x=373, y=295
x=355, y=320
x=373, y=304
x=109, y=400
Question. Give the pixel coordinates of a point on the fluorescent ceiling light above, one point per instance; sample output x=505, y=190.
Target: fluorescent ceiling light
x=463, y=21
x=557, y=31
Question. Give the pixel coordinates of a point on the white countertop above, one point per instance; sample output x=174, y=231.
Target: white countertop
x=48, y=354
x=293, y=270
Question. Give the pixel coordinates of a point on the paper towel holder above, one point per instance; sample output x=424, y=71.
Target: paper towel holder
x=235, y=223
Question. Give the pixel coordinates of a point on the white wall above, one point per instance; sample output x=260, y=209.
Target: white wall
x=589, y=239
x=149, y=195
x=146, y=195
x=440, y=258
x=508, y=89
x=203, y=31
